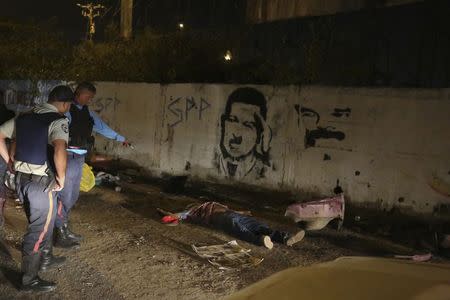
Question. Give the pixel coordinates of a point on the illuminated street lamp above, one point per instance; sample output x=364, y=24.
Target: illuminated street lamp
x=91, y=11
x=228, y=56
x=181, y=26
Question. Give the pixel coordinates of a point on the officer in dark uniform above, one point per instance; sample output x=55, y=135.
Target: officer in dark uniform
x=82, y=123
x=39, y=161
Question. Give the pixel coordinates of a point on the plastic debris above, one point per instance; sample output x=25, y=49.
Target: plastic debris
x=87, y=179
x=170, y=220
x=417, y=257
x=105, y=178
x=317, y=214
x=228, y=256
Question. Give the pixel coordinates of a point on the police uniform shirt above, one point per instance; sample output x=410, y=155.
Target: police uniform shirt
x=57, y=130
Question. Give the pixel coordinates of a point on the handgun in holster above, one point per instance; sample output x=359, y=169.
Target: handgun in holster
x=51, y=181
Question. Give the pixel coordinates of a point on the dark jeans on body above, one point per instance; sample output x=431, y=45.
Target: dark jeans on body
x=246, y=228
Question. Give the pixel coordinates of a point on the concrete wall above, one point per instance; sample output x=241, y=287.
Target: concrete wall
x=385, y=147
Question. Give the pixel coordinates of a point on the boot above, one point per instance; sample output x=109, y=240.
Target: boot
x=73, y=236
x=63, y=241
x=30, y=279
x=48, y=261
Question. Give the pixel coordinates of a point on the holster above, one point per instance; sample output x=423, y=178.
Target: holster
x=50, y=183
x=47, y=182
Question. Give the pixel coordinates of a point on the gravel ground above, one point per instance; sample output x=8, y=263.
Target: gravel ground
x=128, y=254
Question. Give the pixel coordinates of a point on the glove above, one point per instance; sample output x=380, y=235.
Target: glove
x=170, y=220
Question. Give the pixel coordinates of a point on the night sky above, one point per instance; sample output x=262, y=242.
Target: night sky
x=64, y=14
x=158, y=14
x=42, y=9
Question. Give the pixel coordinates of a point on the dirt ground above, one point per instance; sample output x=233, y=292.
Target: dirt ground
x=128, y=254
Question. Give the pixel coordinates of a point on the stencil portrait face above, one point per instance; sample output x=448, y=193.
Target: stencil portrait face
x=241, y=129
x=316, y=131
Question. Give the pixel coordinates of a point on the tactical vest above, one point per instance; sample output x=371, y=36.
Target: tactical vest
x=80, y=129
x=32, y=137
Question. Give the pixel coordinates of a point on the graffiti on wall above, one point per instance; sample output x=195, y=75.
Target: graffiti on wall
x=181, y=109
x=104, y=104
x=21, y=95
x=314, y=130
x=245, y=136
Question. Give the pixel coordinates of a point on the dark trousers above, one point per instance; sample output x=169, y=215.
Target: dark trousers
x=68, y=196
x=246, y=228
x=40, y=209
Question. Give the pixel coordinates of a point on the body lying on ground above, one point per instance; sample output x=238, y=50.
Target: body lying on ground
x=239, y=224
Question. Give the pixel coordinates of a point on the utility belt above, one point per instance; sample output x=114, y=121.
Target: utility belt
x=48, y=182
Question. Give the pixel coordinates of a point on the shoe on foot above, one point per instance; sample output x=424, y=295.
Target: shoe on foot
x=66, y=244
x=51, y=263
x=38, y=285
x=70, y=234
x=48, y=260
x=30, y=279
x=295, y=238
x=61, y=240
x=267, y=242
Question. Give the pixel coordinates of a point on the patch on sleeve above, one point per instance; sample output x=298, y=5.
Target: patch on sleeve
x=65, y=128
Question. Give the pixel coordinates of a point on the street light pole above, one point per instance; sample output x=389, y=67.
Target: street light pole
x=126, y=19
x=90, y=11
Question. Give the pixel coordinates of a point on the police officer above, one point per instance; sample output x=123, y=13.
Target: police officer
x=5, y=115
x=40, y=159
x=82, y=123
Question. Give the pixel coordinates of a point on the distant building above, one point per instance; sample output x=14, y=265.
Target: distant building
x=260, y=11
x=194, y=14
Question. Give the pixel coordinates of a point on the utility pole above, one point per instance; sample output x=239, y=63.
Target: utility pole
x=90, y=11
x=126, y=19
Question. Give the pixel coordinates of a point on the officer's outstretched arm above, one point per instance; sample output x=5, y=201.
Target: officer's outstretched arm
x=3, y=148
x=60, y=159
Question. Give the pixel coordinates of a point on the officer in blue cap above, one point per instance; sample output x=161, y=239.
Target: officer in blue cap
x=39, y=161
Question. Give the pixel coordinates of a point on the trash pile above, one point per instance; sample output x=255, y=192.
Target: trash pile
x=103, y=178
x=89, y=179
x=228, y=256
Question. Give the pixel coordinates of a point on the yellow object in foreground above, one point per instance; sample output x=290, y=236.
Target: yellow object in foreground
x=87, y=179
x=359, y=278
